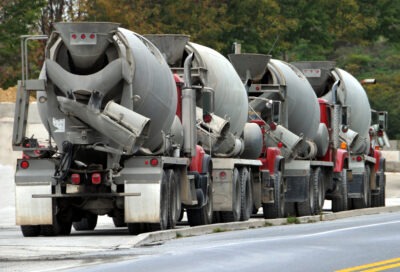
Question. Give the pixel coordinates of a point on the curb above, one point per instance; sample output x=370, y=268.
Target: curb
x=148, y=239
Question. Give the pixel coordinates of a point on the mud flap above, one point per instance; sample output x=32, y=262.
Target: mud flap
x=33, y=211
x=30, y=182
x=144, y=208
x=355, y=187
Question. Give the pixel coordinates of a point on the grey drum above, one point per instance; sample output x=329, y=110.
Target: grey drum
x=302, y=109
x=230, y=98
x=119, y=65
x=352, y=94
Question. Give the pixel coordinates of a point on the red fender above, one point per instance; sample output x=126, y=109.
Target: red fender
x=196, y=165
x=341, y=156
x=269, y=161
x=377, y=156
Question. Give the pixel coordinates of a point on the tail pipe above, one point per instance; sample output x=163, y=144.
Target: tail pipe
x=189, y=110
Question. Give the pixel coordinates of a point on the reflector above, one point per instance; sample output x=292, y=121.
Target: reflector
x=75, y=179
x=24, y=164
x=96, y=178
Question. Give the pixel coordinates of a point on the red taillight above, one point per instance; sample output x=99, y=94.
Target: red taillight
x=207, y=118
x=280, y=145
x=154, y=162
x=92, y=36
x=222, y=175
x=83, y=36
x=73, y=36
x=75, y=179
x=24, y=164
x=96, y=178
x=359, y=158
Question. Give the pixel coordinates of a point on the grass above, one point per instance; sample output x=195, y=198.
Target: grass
x=217, y=230
x=292, y=220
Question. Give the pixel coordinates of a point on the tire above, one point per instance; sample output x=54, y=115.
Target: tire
x=365, y=201
x=276, y=209
x=379, y=199
x=382, y=192
x=319, y=190
x=88, y=222
x=234, y=215
x=307, y=207
x=246, y=195
x=203, y=215
x=341, y=203
x=30, y=231
x=172, y=201
x=179, y=209
x=118, y=218
x=164, y=204
x=290, y=209
x=62, y=225
x=136, y=228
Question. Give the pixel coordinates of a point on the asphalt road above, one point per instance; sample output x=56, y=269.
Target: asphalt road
x=325, y=246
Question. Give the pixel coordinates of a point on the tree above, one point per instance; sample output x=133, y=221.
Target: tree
x=18, y=17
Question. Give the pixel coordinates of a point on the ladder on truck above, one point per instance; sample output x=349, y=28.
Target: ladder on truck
x=25, y=86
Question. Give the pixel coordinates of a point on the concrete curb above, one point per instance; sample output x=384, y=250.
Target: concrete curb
x=161, y=236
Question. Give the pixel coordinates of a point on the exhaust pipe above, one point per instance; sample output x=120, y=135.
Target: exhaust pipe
x=189, y=110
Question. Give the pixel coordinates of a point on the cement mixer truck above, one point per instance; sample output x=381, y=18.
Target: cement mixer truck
x=240, y=189
x=311, y=127
x=133, y=136
x=361, y=182
x=284, y=104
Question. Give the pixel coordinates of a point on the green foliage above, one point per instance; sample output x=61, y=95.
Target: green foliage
x=18, y=17
x=217, y=230
x=292, y=220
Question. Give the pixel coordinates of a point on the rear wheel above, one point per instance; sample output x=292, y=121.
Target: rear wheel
x=62, y=223
x=276, y=209
x=319, y=190
x=118, y=218
x=246, y=196
x=136, y=228
x=178, y=201
x=340, y=203
x=164, y=205
x=172, y=203
x=203, y=215
x=234, y=215
x=379, y=199
x=307, y=207
x=30, y=231
x=382, y=192
x=365, y=200
x=290, y=209
x=88, y=222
